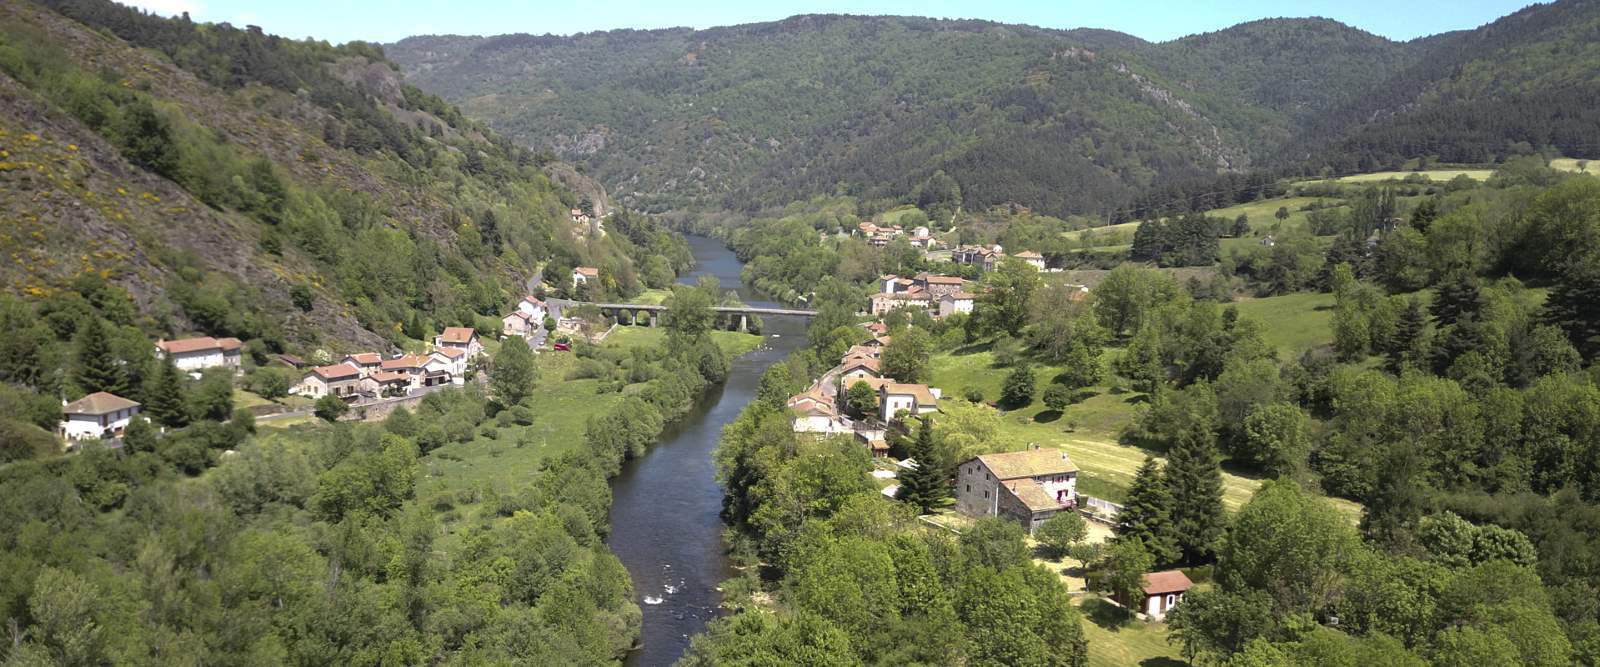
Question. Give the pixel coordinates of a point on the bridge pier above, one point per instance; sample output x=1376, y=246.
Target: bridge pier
x=744, y=323
x=652, y=319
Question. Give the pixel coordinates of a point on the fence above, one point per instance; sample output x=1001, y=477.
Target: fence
x=1098, y=507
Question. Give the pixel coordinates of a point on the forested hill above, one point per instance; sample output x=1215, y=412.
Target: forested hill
x=239, y=184
x=1076, y=121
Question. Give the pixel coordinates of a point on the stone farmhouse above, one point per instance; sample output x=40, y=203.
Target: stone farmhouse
x=925, y=290
x=986, y=258
x=98, y=415
x=460, y=338
x=196, y=354
x=1027, y=486
x=341, y=379
x=517, y=323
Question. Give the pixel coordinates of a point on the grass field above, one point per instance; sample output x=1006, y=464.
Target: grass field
x=561, y=410
x=891, y=218
x=652, y=297
x=1436, y=175
x=1571, y=164
x=1292, y=323
x=1118, y=639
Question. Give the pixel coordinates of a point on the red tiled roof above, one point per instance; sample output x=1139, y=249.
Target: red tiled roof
x=1170, y=581
x=187, y=345
x=366, y=358
x=921, y=392
x=462, y=335
x=229, y=344
x=98, y=403
x=533, y=300
x=942, y=280
x=1029, y=254
x=588, y=271
x=1028, y=463
x=388, y=377
x=450, y=352
x=517, y=314
x=336, y=372
x=407, y=361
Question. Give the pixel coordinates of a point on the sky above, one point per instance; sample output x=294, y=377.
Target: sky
x=1156, y=20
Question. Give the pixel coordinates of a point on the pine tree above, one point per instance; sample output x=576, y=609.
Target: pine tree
x=1194, y=478
x=1406, y=346
x=1574, y=304
x=925, y=485
x=1147, y=516
x=163, y=395
x=97, y=368
x=1459, y=297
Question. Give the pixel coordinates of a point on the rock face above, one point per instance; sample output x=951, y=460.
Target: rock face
x=586, y=188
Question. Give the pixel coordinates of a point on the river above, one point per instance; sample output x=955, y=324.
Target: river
x=665, y=522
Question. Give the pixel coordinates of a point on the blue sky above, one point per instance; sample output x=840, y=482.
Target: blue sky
x=1158, y=20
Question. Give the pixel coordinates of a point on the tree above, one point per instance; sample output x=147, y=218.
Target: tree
x=330, y=408
x=1194, y=476
x=1289, y=544
x=1281, y=214
x=65, y=608
x=1061, y=532
x=270, y=382
x=1122, y=571
x=925, y=487
x=145, y=137
x=1218, y=623
x=512, y=376
x=1057, y=397
x=1124, y=300
x=212, y=397
x=1408, y=345
x=1241, y=226
x=861, y=400
x=163, y=395
x=97, y=367
x=1146, y=517
x=1276, y=438
x=1019, y=387
x=906, y=357
x=1004, y=307
x=1574, y=303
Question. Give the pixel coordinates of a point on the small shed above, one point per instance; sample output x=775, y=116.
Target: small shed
x=1163, y=591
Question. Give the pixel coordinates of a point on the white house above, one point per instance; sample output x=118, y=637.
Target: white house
x=193, y=354
x=444, y=365
x=534, y=307
x=98, y=415
x=583, y=274
x=1027, y=486
x=411, y=365
x=1033, y=259
x=914, y=399
x=460, y=338
x=814, y=413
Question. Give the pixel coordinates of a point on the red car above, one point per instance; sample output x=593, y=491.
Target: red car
x=563, y=347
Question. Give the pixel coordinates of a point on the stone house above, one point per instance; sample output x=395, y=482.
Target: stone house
x=517, y=323
x=98, y=415
x=342, y=380
x=366, y=362
x=914, y=298
x=1033, y=259
x=955, y=302
x=411, y=365
x=814, y=412
x=857, y=368
x=1027, y=486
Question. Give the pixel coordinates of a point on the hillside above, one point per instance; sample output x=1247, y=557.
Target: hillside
x=240, y=184
x=754, y=116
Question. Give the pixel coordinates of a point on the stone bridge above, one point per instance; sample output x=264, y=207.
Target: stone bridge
x=633, y=313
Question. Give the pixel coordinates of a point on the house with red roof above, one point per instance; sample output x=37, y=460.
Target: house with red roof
x=460, y=338
x=1162, y=591
x=366, y=362
x=341, y=379
x=1029, y=486
x=194, y=354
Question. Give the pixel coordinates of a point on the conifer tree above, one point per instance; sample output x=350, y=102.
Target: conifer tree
x=1406, y=346
x=97, y=368
x=163, y=395
x=1459, y=297
x=1194, y=478
x=925, y=485
x=1147, y=515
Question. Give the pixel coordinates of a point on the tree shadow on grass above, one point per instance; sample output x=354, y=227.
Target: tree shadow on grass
x=973, y=348
x=1047, y=416
x=1106, y=615
x=1162, y=662
x=1137, y=399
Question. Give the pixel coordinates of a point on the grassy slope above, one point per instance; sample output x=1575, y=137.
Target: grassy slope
x=1292, y=323
x=1571, y=164
x=1431, y=174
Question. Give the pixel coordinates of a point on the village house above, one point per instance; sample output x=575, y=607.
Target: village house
x=1027, y=486
x=411, y=365
x=194, y=354
x=366, y=362
x=583, y=274
x=534, y=307
x=341, y=379
x=1033, y=259
x=293, y=361
x=446, y=365
x=390, y=383
x=913, y=399
x=868, y=351
x=876, y=328
x=923, y=291
x=916, y=298
x=985, y=258
x=1162, y=591
x=857, y=368
x=955, y=302
x=814, y=412
x=922, y=238
x=98, y=415
x=460, y=338
x=517, y=323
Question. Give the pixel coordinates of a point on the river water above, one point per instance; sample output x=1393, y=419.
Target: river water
x=665, y=523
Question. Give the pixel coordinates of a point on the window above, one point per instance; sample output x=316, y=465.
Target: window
x=1171, y=599
x=969, y=488
x=986, y=494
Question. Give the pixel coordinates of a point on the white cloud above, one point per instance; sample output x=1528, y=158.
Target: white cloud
x=166, y=7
